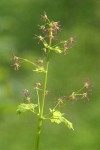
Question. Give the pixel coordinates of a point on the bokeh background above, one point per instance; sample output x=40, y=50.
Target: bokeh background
x=18, y=24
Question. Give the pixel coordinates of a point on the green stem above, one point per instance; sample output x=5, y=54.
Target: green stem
x=43, y=98
x=80, y=90
x=42, y=106
x=38, y=99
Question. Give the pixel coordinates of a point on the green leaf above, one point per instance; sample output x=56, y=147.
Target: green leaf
x=67, y=123
x=26, y=107
x=58, y=118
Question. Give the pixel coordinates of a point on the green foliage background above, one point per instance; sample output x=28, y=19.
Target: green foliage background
x=18, y=24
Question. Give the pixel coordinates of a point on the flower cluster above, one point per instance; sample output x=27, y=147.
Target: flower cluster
x=67, y=44
x=39, y=65
x=44, y=17
x=16, y=62
x=26, y=95
x=37, y=86
x=83, y=93
x=50, y=30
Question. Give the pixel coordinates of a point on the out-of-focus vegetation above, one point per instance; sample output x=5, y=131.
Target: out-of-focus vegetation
x=18, y=24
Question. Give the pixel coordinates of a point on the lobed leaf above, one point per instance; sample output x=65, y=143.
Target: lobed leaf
x=58, y=118
x=26, y=107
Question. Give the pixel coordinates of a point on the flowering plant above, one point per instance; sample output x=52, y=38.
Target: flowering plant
x=50, y=30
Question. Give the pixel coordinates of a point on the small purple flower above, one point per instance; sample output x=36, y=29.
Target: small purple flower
x=85, y=96
x=44, y=17
x=46, y=93
x=72, y=39
x=26, y=93
x=16, y=62
x=55, y=27
x=26, y=96
x=41, y=27
x=47, y=30
x=38, y=86
x=39, y=37
x=87, y=85
x=66, y=46
x=53, y=37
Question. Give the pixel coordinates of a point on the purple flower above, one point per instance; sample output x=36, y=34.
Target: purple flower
x=55, y=27
x=26, y=93
x=41, y=27
x=87, y=85
x=85, y=96
x=53, y=37
x=26, y=96
x=16, y=62
x=44, y=17
x=38, y=85
x=66, y=46
x=72, y=39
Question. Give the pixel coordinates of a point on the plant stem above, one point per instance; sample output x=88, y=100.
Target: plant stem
x=42, y=106
x=43, y=97
x=38, y=100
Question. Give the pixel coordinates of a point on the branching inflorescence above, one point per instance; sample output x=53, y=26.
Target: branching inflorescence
x=50, y=30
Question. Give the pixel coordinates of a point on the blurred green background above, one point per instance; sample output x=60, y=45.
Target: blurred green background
x=18, y=24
